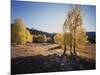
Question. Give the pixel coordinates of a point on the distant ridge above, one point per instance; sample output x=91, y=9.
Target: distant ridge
x=91, y=35
x=36, y=32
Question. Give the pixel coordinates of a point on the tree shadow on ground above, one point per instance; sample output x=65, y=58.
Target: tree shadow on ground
x=51, y=63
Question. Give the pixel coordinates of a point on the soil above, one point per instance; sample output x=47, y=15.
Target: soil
x=37, y=58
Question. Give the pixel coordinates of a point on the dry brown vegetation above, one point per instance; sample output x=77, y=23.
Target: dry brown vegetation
x=33, y=49
x=40, y=57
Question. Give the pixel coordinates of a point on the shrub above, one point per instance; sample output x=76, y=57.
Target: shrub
x=39, y=38
x=19, y=34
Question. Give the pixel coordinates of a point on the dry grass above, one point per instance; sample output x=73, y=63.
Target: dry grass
x=39, y=58
x=43, y=49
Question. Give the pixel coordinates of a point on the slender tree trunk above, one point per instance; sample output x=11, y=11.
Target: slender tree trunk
x=64, y=53
x=70, y=40
x=74, y=44
x=71, y=49
x=70, y=44
x=74, y=50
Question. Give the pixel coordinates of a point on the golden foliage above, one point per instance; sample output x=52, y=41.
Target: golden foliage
x=19, y=34
x=28, y=36
x=81, y=38
x=58, y=38
x=40, y=38
x=74, y=32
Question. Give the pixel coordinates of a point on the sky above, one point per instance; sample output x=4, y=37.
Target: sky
x=50, y=17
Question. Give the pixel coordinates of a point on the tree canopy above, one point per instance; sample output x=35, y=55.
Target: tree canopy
x=19, y=33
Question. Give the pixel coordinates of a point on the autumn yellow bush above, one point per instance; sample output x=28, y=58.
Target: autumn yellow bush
x=58, y=38
x=40, y=38
x=19, y=34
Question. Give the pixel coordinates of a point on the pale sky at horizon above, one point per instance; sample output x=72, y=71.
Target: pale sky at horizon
x=50, y=17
